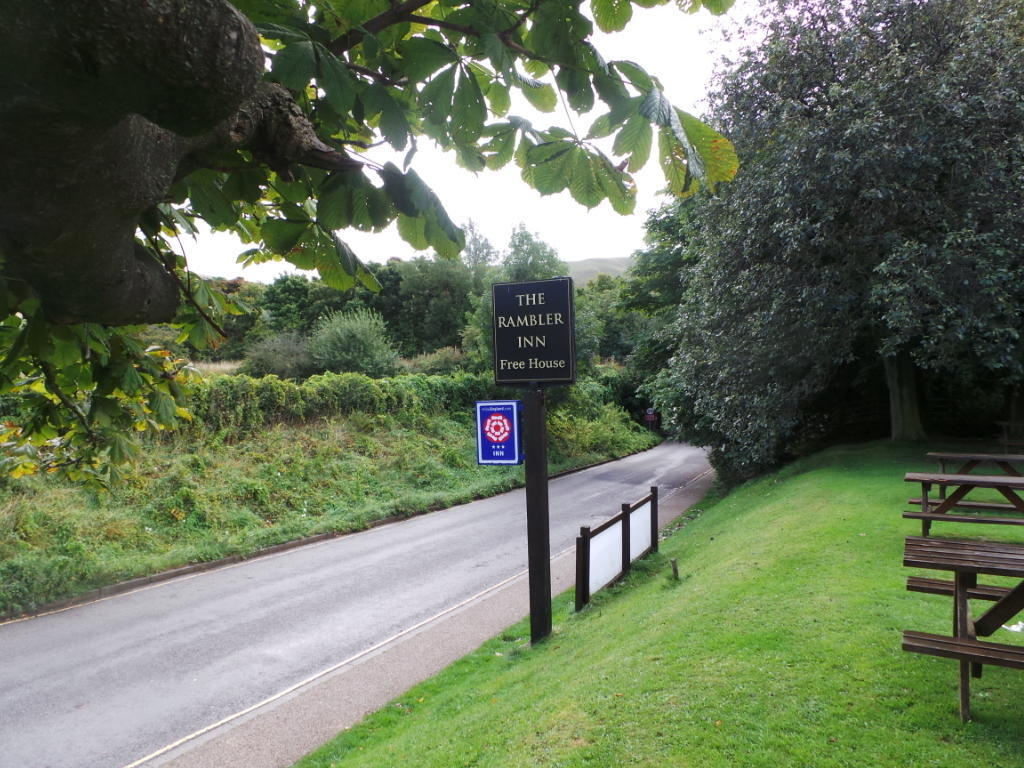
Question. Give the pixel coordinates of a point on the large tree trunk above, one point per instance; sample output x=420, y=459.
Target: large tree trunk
x=904, y=404
x=102, y=106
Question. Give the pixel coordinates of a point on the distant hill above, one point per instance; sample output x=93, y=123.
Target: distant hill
x=585, y=270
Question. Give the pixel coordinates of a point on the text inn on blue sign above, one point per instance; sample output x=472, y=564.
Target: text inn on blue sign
x=498, y=432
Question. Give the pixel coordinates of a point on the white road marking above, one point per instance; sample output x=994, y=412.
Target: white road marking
x=334, y=667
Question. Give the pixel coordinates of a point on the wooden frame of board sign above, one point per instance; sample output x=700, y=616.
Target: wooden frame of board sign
x=534, y=332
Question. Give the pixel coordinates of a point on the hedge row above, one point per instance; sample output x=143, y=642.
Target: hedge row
x=244, y=403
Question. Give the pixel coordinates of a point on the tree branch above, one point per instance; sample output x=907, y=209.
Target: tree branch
x=442, y=24
x=407, y=12
x=378, y=76
x=202, y=312
x=522, y=18
x=394, y=15
x=50, y=377
x=504, y=35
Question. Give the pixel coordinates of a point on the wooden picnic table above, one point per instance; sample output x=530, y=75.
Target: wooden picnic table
x=968, y=462
x=953, y=489
x=967, y=560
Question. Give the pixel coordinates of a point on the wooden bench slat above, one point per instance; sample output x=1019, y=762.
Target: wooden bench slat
x=951, y=518
x=1014, y=482
x=968, y=552
x=982, y=546
x=962, y=563
x=996, y=558
x=964, y=649
x=945, y=587
x=990, y=505
x=975, y=456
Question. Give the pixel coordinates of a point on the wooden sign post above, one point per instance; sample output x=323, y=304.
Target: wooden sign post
x=535, y=346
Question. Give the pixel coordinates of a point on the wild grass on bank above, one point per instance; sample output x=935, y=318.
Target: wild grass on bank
x=215, y=495
x=778, y=646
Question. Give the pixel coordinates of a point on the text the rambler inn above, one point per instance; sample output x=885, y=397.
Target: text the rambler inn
x=533, y=332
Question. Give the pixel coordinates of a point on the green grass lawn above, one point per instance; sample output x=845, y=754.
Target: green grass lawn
x=778, y=646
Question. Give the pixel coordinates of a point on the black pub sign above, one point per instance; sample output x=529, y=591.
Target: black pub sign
x=534, y=332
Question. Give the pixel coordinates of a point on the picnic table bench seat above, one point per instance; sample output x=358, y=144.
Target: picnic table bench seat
x=946, y=587
x=1016, y=482
x=930, y=517
x=975, y=456
x=994, y=506
x=995, y=558
x=968, y=559
x=964, y=649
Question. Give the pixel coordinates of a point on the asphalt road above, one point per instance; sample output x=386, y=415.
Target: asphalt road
x=105, y=684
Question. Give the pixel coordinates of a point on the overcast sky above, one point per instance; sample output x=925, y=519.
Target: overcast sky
x=679, y=48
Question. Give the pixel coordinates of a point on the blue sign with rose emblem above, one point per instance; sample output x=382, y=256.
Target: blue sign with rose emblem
x=498, y=433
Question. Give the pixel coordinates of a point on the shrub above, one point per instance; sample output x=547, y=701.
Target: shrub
x=440, y=362
x=610, y=430
x=284, y=354
x=355, y=341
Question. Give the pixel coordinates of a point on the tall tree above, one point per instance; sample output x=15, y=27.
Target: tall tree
x=434, y=300
x=480, y=256
x=285, y=302
x=880, y=216
x=654, y=285
x=530, y=258
x=124, y=123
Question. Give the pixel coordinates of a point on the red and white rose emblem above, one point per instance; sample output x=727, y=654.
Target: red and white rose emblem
x=497, y=428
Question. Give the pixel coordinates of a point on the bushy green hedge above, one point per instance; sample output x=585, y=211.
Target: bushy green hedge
x=240, y=403
x=245, y=403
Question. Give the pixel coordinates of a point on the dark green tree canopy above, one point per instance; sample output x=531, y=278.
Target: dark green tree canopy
x=879, y=219
x=126, y=123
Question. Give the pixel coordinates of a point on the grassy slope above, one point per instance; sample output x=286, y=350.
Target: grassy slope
x=192, y=501
x=779, y=646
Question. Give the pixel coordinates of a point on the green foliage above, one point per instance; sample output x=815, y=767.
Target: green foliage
x=619, y=328
x=879, y=216
x=364, y=74
x=441, y=362
x=355, y=341
x=955, y=302
x=654, y=286
x=284, y=354
x=296, y=303
x=242, y=329
x=609, y=428
x=434, y=298
x=480, y=257
x=285, y=302
x=241, y=404
x=655, y=280
x=82, y=395
x=530, y=258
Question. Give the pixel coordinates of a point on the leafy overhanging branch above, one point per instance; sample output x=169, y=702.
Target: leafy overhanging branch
x=178, y=133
